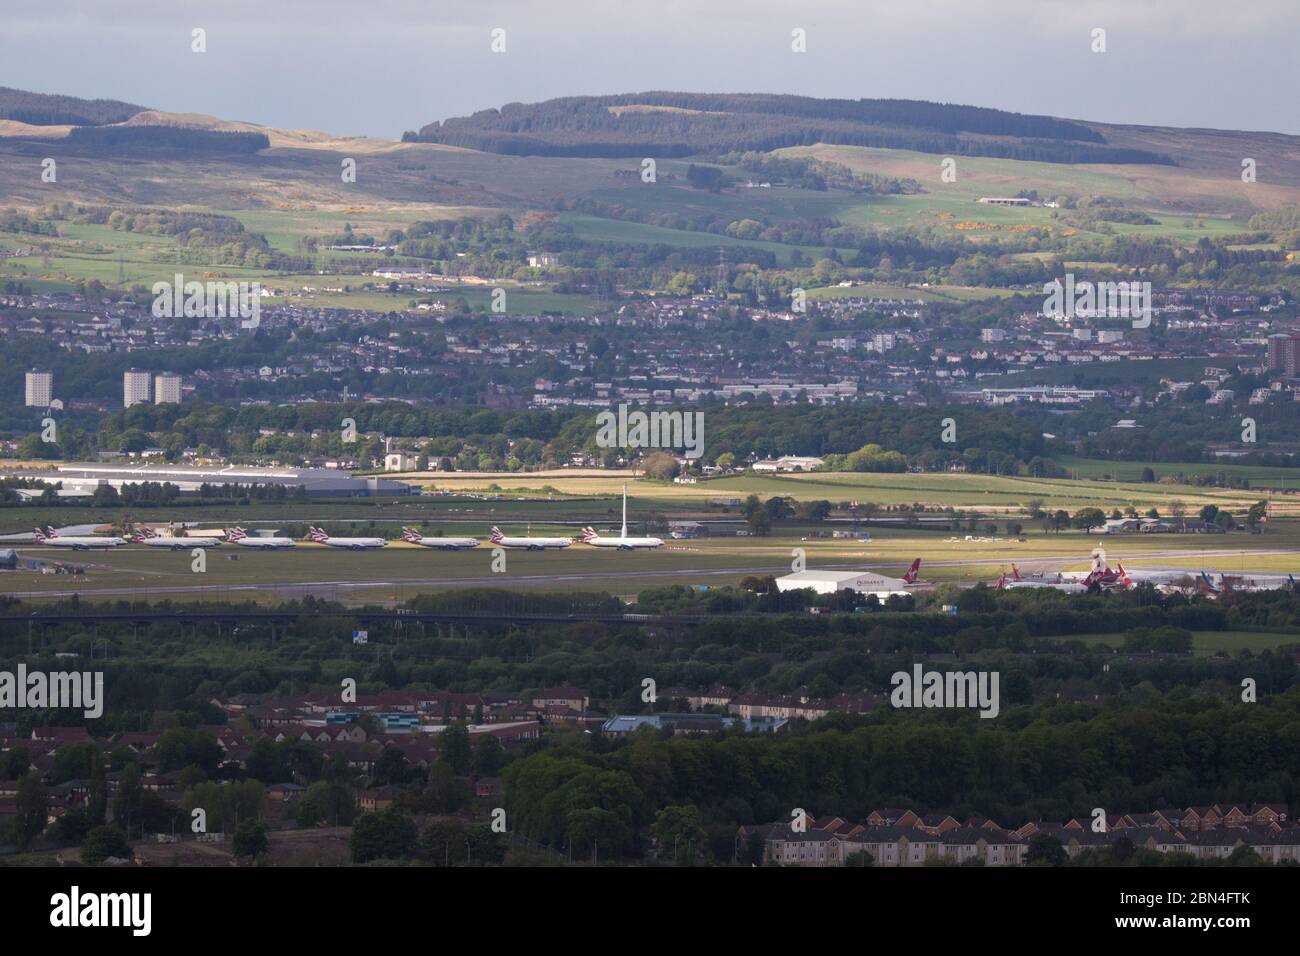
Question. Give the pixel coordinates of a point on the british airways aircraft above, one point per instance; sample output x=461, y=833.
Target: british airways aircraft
x=352, y=544
x=147, y=536
x=528, y=544
x=51, y=537
x=411, y=536
x=622, y=542
x=240, y=537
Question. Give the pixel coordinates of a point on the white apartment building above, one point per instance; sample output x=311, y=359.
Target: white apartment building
x=166, y=388
x=136, y=387
x=40, y=388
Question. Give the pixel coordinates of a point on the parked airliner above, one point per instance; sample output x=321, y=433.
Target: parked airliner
x=622, y=542
x=51, y=537
x=147, y=536
x=1253, y=581
x=240, y=537
x=528, y=543
x=1101, y=574
x=411, y=536
x=1056, y=584
x=352, y=544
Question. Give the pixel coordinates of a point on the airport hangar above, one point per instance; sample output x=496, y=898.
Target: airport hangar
x=82, y=478
x=828, y=582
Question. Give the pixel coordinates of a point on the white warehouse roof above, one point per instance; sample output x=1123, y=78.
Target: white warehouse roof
x=86, y=476
x=826, y=582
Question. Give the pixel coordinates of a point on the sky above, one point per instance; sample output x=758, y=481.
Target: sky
x=379, y=67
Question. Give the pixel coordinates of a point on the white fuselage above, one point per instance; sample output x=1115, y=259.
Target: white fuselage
x=625, y=544
x=1069, y=587
x=181, y=544
x=445, y=544
x=83, y=544
x=622, y=542
x=353, y=544
x=1248, y=581
x=265, y=543
x=1170, y=577
x=532, y=544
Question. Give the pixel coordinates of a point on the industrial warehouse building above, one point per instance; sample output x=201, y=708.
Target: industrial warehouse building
x=85, y=477
x=828, y=582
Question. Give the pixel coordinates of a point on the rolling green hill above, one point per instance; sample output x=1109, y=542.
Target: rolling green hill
x=687, y=124
x=582, y=172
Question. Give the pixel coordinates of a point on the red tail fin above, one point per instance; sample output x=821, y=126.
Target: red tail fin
x=910, y=576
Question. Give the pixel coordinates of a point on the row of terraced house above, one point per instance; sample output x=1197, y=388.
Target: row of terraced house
x=900, y=837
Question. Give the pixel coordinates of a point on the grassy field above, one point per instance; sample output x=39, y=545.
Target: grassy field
x=1282, y=478
x=578, y=495
x=985, y=493
x=1189, y=200
x=1204, y=643
x=596, y=229
x=114, y=257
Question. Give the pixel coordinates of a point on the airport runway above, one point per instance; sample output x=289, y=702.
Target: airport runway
x=1028, y=565
x=502, y=580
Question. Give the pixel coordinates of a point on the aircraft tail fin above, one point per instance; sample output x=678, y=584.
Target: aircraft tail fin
x=912, y=572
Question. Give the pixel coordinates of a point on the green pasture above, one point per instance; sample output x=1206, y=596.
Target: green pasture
x=1204, y=643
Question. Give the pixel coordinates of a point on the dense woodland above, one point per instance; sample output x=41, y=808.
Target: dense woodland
x=1028, y=635
x=148, y=139
x=852, y=437
x=45, y=109
x=991, y=439
x=587, y=126
x=1168, y=730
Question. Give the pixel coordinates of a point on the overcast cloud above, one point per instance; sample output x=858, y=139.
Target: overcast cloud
x=382, y=66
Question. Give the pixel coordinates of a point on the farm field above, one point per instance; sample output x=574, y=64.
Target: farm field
x=985, y=493
x=586, y=499
x=575, y=496
x=1189, y=202
x=1091, y=468
x=597, y=229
